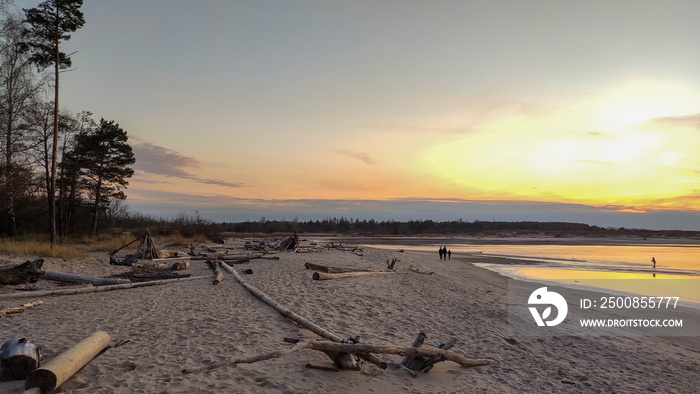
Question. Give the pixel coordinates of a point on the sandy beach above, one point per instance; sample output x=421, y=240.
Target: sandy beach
x=193, y=323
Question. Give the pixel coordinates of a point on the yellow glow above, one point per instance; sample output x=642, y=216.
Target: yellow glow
x=555, y=156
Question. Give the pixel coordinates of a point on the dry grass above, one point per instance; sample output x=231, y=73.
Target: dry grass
x=40, y=248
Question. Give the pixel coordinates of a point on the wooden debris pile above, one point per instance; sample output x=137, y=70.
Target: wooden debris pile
x=146, y=250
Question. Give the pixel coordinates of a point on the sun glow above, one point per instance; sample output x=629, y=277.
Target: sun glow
x=627, y=160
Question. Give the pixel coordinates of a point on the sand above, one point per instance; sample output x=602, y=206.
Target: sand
x=189, y=324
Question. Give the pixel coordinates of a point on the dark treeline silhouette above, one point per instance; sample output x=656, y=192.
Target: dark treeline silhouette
x=430, y=227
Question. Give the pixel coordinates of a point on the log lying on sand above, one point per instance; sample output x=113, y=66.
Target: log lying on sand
x=339, y=270
x=350, y=349
x=342, y=275
x=18, y=358
x=62, y=367
x=28, y=272
x=98, y=289
x=219, y=277
x=71, y=278
x=235, y=259
x=343, y=361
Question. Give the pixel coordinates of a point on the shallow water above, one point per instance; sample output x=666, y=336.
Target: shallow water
x=623, y=269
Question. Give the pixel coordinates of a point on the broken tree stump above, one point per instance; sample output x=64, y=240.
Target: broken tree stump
x=62, y=367
x=423, y=363
x=18, y=358
x=28, y=272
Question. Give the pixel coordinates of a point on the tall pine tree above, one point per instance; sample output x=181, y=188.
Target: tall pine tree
x=48, y=25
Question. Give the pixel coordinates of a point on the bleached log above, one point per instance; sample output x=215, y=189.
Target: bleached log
x=97, y=289
x=72, y=278
x=350, y=349
x=343, y=361
x=62, y=367
x=235, y=259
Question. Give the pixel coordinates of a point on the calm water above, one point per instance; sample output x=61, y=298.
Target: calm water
x=572, y=265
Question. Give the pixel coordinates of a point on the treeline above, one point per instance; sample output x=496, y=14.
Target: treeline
x=430, y=227
x=61, y=173
x=411, y=227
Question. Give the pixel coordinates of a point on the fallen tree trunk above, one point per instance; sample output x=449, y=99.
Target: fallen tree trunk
x=71, y=278
x=234, y=259
x=350, y=349
x=99, y=289
x=28, y=272
x=343, y=361
x=52, y=375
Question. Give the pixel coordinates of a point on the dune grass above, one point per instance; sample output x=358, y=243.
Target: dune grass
x=40, y=248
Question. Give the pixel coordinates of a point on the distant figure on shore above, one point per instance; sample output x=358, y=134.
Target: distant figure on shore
x=440, y=251
x=449, y=255
x=653, y=260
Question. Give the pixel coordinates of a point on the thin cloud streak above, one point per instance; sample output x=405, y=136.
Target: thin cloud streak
x=362, y=156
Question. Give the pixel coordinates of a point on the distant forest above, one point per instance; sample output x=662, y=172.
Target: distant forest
x=430, y=227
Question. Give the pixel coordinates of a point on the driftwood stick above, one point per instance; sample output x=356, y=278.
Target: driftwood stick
x=348, y=361
x=71, y=278
x=100, y=289
x=351, y=349
x=234, y=259
x=339, y=270
x=19, y=309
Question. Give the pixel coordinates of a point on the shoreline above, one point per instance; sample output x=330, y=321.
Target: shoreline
x=194, y=323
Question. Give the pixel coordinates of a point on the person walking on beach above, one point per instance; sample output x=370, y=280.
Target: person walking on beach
x=653, y=260
x=449, y=255
x=440, y=251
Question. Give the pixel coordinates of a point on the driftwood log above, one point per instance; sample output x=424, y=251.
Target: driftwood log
x=342, y=275
x=62, y=367
x=234, y=259
x=98, y=289
x=28, y=272
x=350, y=349
x=343, y=361
x=71, y=278
x=18, y=357
x=218, y=276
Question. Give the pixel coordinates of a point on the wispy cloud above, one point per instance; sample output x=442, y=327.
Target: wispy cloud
x=685, y=120
x=362, y=156
x=158, y=160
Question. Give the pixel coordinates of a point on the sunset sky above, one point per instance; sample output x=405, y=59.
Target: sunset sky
x=585, y=111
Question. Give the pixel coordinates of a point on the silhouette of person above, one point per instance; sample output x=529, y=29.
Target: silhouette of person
x=440, y=252
x=653, y=260
x=449, y=255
